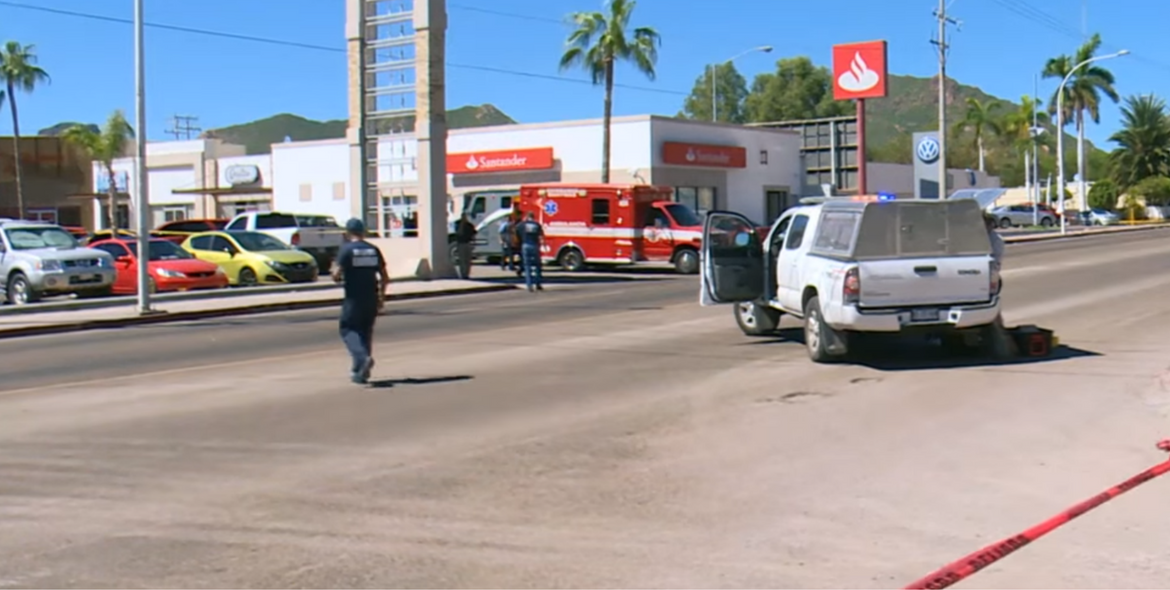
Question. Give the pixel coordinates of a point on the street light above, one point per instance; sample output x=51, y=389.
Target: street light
x=1060, y=136
x=142, y=207
x=711, y=76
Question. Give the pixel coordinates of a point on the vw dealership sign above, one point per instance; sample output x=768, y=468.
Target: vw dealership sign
x=928, y=150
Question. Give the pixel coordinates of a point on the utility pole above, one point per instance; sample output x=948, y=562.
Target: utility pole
x=142, y=176
x=184, y=127
x=943, y=20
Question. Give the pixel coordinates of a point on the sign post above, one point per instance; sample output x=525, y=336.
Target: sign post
x=859, y=73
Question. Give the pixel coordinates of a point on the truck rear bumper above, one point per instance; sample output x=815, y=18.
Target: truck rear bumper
x=957, y=317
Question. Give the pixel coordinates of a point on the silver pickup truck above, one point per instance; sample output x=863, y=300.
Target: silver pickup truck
x=38, y=259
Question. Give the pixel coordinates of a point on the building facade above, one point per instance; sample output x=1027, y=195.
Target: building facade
x=53, y=173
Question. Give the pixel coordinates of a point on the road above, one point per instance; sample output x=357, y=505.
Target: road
x=606, y=434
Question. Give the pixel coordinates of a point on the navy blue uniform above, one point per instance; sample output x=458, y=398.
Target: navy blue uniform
x=361, y=264
x=530, y=234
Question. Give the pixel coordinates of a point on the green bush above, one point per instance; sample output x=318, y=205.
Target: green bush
x=1103, y=195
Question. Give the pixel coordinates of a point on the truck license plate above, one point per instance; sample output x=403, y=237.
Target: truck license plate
x=924, y=315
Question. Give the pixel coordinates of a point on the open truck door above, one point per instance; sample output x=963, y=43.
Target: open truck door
x=733, y=264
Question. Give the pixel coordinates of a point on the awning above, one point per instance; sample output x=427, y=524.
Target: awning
x=986, y=197
x=222, y=192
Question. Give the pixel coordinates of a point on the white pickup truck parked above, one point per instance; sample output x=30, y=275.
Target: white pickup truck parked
x=318, y=235
x=849, y=265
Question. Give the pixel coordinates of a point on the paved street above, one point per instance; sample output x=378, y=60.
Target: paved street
x=606, y=432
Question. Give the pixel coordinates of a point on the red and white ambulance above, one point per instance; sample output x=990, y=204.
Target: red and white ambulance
x=605, y=224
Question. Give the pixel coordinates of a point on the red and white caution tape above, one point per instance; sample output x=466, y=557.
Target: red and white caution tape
x=963, y=568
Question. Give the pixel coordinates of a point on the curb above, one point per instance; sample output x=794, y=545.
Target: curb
x=180, y=316
x=1082, y=234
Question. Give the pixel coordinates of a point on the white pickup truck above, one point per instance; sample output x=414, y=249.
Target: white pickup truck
x=849, y=265
x=318, y=235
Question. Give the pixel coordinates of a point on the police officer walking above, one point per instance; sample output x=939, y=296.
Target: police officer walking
x=531, y=235
x=362, y=269
x=507, y=256
x=464, y=242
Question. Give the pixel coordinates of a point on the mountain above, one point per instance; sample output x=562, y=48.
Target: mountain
x=258, y=136
x=60, y=128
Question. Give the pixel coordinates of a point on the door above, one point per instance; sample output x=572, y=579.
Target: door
x=126, y=279
x=733, y=260
x=790, y=288
x=775, y=203
x=657, y=238
x=604, y=243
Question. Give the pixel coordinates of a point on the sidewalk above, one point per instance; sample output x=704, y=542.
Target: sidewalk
x=56, y=321
x=1078, y=232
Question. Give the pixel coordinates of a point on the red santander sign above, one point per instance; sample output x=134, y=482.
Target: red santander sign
x=698, y=154
x=859, y=70
x=500, y=161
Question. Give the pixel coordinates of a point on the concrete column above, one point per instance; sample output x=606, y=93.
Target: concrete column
x=354, y=23
x=430, y=25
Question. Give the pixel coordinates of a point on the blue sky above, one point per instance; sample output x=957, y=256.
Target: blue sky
x=225, y=81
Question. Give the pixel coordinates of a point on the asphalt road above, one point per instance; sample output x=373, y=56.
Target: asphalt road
x=605, y=434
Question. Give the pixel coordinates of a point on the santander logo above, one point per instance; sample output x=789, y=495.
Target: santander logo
x=472, y=163
x=496, y=162
x=700, y=156
x=858, y=78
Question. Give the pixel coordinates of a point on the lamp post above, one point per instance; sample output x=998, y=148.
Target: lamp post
x=711, y=76
x=142, y=207
x=1060, y=136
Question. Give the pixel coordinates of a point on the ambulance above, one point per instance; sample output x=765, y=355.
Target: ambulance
x=612, y=224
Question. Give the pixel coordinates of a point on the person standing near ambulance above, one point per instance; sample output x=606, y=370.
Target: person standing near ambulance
x=531, y=236
x=361, y=268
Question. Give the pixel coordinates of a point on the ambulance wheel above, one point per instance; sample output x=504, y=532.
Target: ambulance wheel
x=686, y=261
x=755, y=319
x=572, y=260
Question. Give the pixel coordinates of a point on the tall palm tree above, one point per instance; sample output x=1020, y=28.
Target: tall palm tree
x=1143, y=142
x=1082, y=95
x=979, y=118
x=598, y=42
x=19, y=70
x=105, y=146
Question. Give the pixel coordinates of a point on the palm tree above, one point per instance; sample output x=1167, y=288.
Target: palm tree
x=979, y=118
x=105, y=146
x=1143, y=142
x=18, y=68
x=599, y=41
x=1082, y=95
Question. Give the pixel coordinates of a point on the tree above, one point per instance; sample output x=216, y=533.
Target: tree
x=979, y=118
x=1155, y=191
x=1143, y=142
x=1082, y=95
x=797, y=90
x=104, y=147
x=732, y=90
x=18, y=68
x=1103, y=195
x=598, y=42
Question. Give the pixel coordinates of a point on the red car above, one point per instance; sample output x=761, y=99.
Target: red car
x=171, y=267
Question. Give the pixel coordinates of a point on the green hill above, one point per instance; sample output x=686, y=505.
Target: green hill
x=258, y=136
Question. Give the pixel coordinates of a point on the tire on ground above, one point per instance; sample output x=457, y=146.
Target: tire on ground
x=686, y=261
x=755, y=319
x=824, y=344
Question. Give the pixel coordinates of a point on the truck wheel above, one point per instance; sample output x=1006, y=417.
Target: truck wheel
x=1046, y=222
x=1005, y=223
x=755, y=319
x=572, y=260
x=20, y=291
x=824, y=344
x=686, y=262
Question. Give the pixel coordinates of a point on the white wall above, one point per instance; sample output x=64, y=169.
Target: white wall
x=745, y=186
x=164, y=180
x=319, y=166
x=262, y=162
x=899, y=179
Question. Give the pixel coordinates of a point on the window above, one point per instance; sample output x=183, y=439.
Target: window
x=239, y=224
x=162, y=250
x=657, y=218
x=221, y=244
x=943, y=228
x=683, y=215
x=478, y=207
x=306, y=193
x=43, y=215
x=202, y=242
x=796, y=233
x=700, y=199
x=174, y=213
x=505, y=202
x=33, y=238
x=339, y=191
x=275, y=221
x=600, y=212
x=115, y=250
x=315, y=221
x=258, y=242
x=836, y=231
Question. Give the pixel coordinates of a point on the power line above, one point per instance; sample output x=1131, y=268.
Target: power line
x=541, y=19
x=326, y=48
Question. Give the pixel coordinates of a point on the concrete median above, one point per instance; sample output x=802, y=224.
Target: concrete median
x=1084, y=233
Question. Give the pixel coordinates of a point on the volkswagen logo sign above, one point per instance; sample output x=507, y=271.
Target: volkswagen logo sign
x=927, y=150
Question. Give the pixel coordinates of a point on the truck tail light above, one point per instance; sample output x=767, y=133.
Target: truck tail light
x=993, y=287
x=851, y=287
x=296, y=239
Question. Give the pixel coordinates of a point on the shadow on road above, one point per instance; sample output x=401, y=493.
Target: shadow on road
x=388, y=383
x=574, y=279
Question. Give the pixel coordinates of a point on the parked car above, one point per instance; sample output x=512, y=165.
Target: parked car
x=1098, y=217
x=171, y=268
x=1023, y=215
x=252, y=258
x=179, y=231
x=102, y=235
x=318, y=235
x=38, y=259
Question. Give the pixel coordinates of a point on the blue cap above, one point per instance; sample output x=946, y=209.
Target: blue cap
x=355, y=227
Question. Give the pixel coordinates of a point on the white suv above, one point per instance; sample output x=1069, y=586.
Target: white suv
x=849, y=265
x=38, y=259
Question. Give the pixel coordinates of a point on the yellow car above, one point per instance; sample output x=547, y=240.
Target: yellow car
x=253, y=258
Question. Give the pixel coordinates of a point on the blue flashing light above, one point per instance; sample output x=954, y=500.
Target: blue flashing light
x=886, y=196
